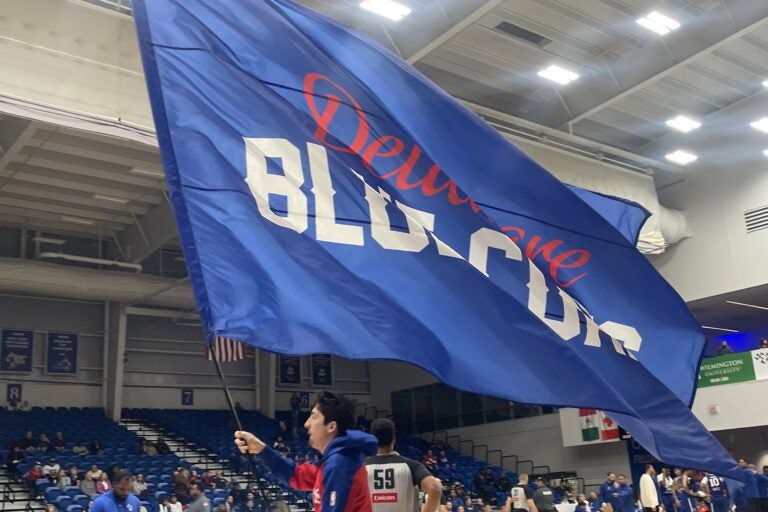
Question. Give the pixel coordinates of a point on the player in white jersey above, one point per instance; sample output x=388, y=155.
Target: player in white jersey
x=395, y=480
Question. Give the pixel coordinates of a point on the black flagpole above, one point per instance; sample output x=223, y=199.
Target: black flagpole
x=238, y=423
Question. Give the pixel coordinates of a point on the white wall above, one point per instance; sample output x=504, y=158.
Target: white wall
x=720, y=257
x=539, y=439
x=739, y=405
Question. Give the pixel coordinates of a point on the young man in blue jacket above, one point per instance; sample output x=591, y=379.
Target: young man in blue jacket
x=339, y=482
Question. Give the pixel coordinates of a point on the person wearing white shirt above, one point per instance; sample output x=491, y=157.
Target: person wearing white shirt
x=649, y=497
x=52, y=468
x=174, y=504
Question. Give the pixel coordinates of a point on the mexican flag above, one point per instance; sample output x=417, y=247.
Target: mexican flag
x=597, y=426
x=590, y=424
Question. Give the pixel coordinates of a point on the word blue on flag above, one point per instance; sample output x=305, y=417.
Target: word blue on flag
x=332, y=199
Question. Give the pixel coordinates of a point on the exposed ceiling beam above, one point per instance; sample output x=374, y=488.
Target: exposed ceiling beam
x=436, y=31
x=14, y=135
x=148, y=234
x=656, y=60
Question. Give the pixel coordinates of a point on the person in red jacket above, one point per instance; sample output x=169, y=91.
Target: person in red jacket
x=339, y=482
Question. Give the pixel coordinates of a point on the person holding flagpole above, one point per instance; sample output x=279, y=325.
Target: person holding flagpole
x=339, y=482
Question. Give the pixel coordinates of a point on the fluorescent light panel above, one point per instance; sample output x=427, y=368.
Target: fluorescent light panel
x=718, y=328
x=77, y=220
x=113, y=199
x=46, y=240
x=681, y=157
x=387, y=8
x=147, y=172
x=746, y=305
x=658, y=23
x=760, y=124
x=557, y=74
x=683, y=124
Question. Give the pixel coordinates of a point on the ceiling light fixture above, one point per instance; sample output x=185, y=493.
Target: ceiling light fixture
x=46, y=240
x=765, y=152
x=746, y=305
x=765, y=83
x=658, y=23
x=77, y=220
x=557, y=74
x=681, y=157
x=113, y=199
x=683, y=124
x=760, y=124
x=387, y=8
x=718, y=328
x=147, y=172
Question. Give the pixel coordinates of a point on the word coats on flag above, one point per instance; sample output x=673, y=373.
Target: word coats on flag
x=330, y=199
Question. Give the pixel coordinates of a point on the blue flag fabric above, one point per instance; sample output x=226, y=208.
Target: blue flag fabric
x=331, y=199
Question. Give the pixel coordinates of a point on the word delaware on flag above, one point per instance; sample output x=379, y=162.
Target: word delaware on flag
x=597, y=426
x=225, y=350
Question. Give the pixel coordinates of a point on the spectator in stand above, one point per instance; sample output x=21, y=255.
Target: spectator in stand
x=25, y=406
x=468, y=504
x=220, y=481
x=582, y=505
x=164, y=506
x=249, y=506
x=139, y=450
x=59, y=443
x=181, y=487
x=51, y=468
x=74, y=476
x=50, y=508
x=44, y=444
x=594, y=503
x=94, y=473
x=88, y=486
x=29, y=443
x=162, y=447
x=174, y=504
x=149, y=449
x=724, y=348
x=34, y=474
x=62, y=480
x=194, y=478
x=229, y=503
x=13, y=405
x=103, y=485
x=279, y=446
x=209, y=479
x=763, y=343
x=442, y=460
x=221, y=508
x=295, y=403
x=460, y=508
x=79, y=448
x=455, y=498
x=429, y=460
x=139, y=487
x=113, y=470
x=15, y=456
x=95, y=447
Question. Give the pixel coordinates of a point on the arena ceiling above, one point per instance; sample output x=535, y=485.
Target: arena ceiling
x=486, y=53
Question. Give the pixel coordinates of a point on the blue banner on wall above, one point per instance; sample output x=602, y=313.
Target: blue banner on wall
x=61, y=354
x=290, y=370
x=322, y=372
x=16, y=351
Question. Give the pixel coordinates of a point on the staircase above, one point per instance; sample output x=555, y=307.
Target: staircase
x=204, y=459
x=14, y=495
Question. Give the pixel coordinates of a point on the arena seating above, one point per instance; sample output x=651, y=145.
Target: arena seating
x=86, y=425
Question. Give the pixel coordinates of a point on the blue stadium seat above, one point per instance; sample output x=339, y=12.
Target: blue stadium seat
x=74, y=508
x=82, y=500
x=52, y=494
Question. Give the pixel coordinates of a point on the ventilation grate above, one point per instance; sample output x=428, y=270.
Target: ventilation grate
x=756, y=219
x=522, y=33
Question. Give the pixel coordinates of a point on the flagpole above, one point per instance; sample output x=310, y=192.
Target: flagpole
x=238, y=423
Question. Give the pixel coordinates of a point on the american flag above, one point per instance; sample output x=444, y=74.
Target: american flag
x=226, y=350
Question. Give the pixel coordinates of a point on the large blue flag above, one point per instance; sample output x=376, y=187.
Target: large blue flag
x=330, y=198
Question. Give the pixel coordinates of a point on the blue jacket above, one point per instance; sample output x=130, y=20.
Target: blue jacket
x=750, y=490
x=626, y=500
x=606, y=494
x=108, y=502
x=762, y=485
x=339, y=482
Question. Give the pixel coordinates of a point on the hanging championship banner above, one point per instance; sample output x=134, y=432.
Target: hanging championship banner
x=289, y=370
x=61, y=353
x=322, y=371
x=16, y=351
